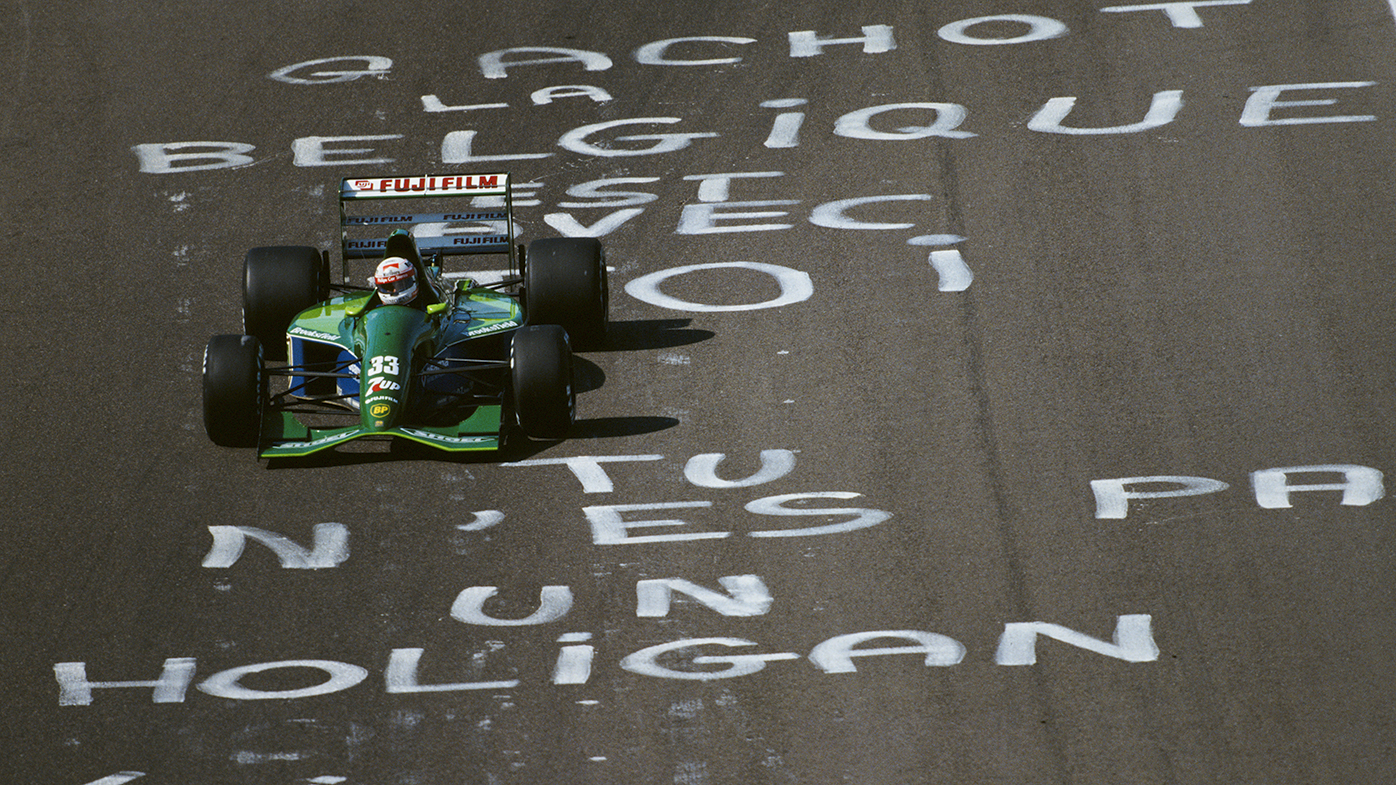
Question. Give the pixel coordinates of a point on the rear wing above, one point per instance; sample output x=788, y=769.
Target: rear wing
x=487, y=228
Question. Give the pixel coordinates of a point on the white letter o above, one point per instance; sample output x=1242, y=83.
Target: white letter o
x=1041, y=29
x=795, y=286
x=225, y=684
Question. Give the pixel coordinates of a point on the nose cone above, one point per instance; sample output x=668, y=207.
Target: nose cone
x=379, y=415
x=390, y=334
x=385, y=393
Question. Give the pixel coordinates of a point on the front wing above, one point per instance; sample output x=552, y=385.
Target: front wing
x=286, y=437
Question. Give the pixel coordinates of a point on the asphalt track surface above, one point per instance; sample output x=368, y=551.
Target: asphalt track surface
x=1202, y=298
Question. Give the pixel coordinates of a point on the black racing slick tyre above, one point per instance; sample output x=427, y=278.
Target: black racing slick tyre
x=565, y=284
x=235, y=390
x=540, y=368
x=278, y=282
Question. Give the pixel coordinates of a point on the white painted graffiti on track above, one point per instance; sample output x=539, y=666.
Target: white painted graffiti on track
x=1132, y=641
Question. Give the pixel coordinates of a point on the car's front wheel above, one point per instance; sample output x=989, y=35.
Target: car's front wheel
x=235, y=387
x=540, y=367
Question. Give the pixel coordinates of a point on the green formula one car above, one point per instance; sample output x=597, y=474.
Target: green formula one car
x=419, y=354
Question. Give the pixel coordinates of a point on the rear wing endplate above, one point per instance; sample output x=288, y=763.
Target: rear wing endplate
x=499, y=212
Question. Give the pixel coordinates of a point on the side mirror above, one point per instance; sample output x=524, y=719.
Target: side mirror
x=436, y=309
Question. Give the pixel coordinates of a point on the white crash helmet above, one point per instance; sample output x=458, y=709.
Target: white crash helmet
x=395, y=280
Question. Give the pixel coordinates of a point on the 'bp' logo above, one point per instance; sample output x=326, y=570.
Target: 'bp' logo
x=380, y=409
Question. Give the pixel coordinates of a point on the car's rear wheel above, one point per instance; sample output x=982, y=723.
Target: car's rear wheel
x=235, y=387
x=540, y=367
x=565, y=283
x=278, y=282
